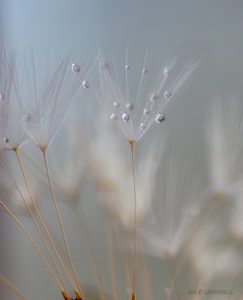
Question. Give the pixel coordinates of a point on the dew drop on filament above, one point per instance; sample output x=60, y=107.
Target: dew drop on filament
x=142, y=125
x=159, y=118
x=167, y=94
x=129, y=106
x=1, y=97
x=113, y=116
x=144, y=70
x=127, y=67
x=165, y=71
x=27, y=118
x=125, y=117
x=76, y=68
x=6, y=140
x=85, y=84
x=116, y=104
x=146, y=111
x=154, y=97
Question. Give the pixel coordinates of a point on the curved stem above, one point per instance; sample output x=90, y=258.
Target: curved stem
x=28, y=235
x=40, y=216
x=12, y=288
x=59, y=218
x=132, y=144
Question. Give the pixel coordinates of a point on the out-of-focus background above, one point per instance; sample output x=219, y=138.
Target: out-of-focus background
x=211, y=30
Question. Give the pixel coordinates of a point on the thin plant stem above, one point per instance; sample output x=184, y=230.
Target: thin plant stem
x=90, y=252
x=59, y=218
x=21, y=166
x=133, y=144
x=113, y=265
x=31, y=214
x=36, y=247
x=12, y=287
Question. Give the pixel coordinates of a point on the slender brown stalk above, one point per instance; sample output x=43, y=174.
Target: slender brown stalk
x=12, y=287
x=32, y=216
x=30, y=238
x=41, y=220
x=59, y=218
x=133, y=144
x=90, y=252
x=113, y=265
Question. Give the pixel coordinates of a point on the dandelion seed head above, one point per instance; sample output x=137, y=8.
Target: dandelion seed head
x=140, y=93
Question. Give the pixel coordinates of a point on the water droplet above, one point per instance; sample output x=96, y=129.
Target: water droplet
x=167, y=94
x=146, y=111
x=142, y=125
x=113, y=116
x=166, y=71
x=144, y=70
x=127, y=67
x=27, y=118
x=125, y=117
x=159, y=118
x=2, y=97
x=76, y=68
x=116, y=104
x=6, y=140
x=129, y=106
x=154, y=97
x=86, y=84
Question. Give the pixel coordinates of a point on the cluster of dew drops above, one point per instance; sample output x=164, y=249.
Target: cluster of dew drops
x=125, y=115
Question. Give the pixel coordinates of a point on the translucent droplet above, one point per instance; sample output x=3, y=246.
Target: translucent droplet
x=167, y=94
x=125, y=117
x=27, y=118
x=146, y=111
x=116, y=104
x=159, y=118
x=105, y=66
x=86, y=84
x=2, y=97
x=166, y=71
x=154, y=97
x=129, y=106
x=144, y=70
x=6, y=140
x=76, y=68
x=127, y=67
x=113, y=117
x=142, y=125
